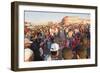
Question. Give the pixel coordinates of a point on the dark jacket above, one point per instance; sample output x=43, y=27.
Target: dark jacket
x=35, y=47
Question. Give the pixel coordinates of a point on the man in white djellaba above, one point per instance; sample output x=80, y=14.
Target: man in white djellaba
x=28, y=53
x=54, y=55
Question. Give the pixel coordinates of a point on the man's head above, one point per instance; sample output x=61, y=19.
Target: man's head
x=67, y=53
x=85, y=42
x=82, y=53
x=54, y=49
x=27, y=43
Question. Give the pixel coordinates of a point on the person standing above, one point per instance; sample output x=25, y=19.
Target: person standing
x=54, y=52
x=28, y=53
x=35, y=46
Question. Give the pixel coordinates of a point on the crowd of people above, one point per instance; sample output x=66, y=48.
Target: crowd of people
x=57, y=41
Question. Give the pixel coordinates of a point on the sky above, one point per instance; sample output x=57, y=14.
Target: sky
x=37, y=17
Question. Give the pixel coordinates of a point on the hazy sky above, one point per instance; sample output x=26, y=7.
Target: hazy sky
x=42, y=17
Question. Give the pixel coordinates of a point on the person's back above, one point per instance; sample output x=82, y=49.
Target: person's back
x=35, y=47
